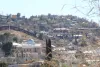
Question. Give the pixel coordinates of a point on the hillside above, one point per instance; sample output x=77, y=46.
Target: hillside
x=22, y=35
x=47, y=22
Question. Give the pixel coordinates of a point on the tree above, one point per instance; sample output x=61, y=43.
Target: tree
x=2, y=38
x=83, y=42
x=64, y=65
x=75, y=42
x=40, y=36
x=2, y=64
x=6, y=37
x=49, y=64
x=80, y=55
x=7, y=48
x=18, y=15
x=15, y=39
x=48, y=50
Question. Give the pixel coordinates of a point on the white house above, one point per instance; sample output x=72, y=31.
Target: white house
x=23, y=52
x=27, y=51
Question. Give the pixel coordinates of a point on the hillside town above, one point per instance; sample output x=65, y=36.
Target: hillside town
x=72, y=41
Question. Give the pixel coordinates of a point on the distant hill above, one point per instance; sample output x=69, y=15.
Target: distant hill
x=46, y=22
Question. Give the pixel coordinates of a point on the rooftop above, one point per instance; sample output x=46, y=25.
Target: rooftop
x=26, y=45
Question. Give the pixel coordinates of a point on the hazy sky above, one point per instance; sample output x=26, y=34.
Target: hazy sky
x=38, y=7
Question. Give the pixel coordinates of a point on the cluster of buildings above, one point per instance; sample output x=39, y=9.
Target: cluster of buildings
x=89, y=56
x=23, y=53
x=50, y=26
x=9, y=18
x=53, y=26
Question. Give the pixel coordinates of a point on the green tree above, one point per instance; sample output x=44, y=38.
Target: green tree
x=48, y=50
x=7, y=48
x=49, y=64
x=2, y=64
x=40, y=36
x=64, y=65
x=15, y=39
x=83, y=43
x=84, y=24
x=18, y=15
x=2, y=39
x=46, y=65
x=6, y=37
x=7, y=34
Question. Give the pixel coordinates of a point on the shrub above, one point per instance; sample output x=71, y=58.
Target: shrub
x=2, y=64
x=49, y=64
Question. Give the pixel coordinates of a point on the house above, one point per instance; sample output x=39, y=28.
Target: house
x=60, y=30
x=27, y=51
x=14, y=16
x=29, y=41
x=78, y=36
x=59, y=49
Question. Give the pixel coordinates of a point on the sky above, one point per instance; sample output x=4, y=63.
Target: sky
x=38, y=7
